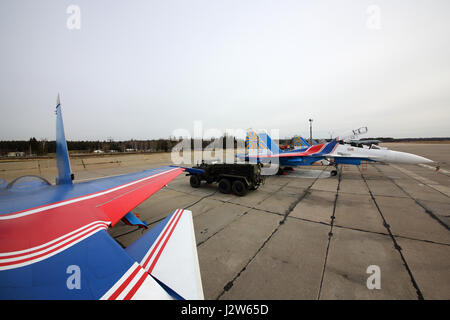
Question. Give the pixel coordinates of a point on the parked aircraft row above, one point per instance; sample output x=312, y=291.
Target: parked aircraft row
x=261, y=148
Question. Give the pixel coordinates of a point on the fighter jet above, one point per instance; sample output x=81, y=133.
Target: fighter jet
x=261, y=148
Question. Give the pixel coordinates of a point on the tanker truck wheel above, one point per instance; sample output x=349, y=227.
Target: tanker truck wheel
x=239, y=188
x=195, y=181
x=225, y=186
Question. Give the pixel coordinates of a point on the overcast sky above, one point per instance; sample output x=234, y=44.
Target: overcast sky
x=141, y=69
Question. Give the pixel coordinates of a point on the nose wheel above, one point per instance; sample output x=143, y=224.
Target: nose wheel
x=335, y=171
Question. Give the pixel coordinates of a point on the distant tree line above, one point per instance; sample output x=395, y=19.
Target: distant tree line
x=43, y=147
x=389, y=139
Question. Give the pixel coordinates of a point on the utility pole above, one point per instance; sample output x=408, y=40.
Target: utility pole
x=310, y=131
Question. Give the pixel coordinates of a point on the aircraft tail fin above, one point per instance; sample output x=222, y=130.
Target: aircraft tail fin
x=261, y=142
x=300, y=142
x=62, y=154
x=251, y=140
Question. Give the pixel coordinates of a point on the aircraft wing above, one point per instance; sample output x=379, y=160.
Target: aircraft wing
x=54, y=243
x=107, y=198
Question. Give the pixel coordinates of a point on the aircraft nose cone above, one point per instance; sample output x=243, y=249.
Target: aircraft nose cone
x=414, y=159
x=425, y=160
x=419, y=159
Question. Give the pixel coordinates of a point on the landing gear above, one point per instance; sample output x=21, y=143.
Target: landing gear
x=335, y=171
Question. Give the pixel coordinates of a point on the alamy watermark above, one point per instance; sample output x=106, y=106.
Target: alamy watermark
x=374, y=280
x=74, y=280
x=224, y=146
x=373, y=21
x=74, y=19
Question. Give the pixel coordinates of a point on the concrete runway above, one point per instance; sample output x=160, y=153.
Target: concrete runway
x=305, y=235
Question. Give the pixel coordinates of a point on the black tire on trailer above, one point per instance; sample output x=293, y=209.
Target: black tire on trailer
x=225, y=186
x=239, y=188
x=195, y=181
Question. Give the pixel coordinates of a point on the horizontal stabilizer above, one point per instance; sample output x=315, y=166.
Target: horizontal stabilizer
x=169, y=253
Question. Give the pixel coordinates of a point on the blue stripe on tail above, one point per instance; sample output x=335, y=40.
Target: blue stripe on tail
x=328, y=148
